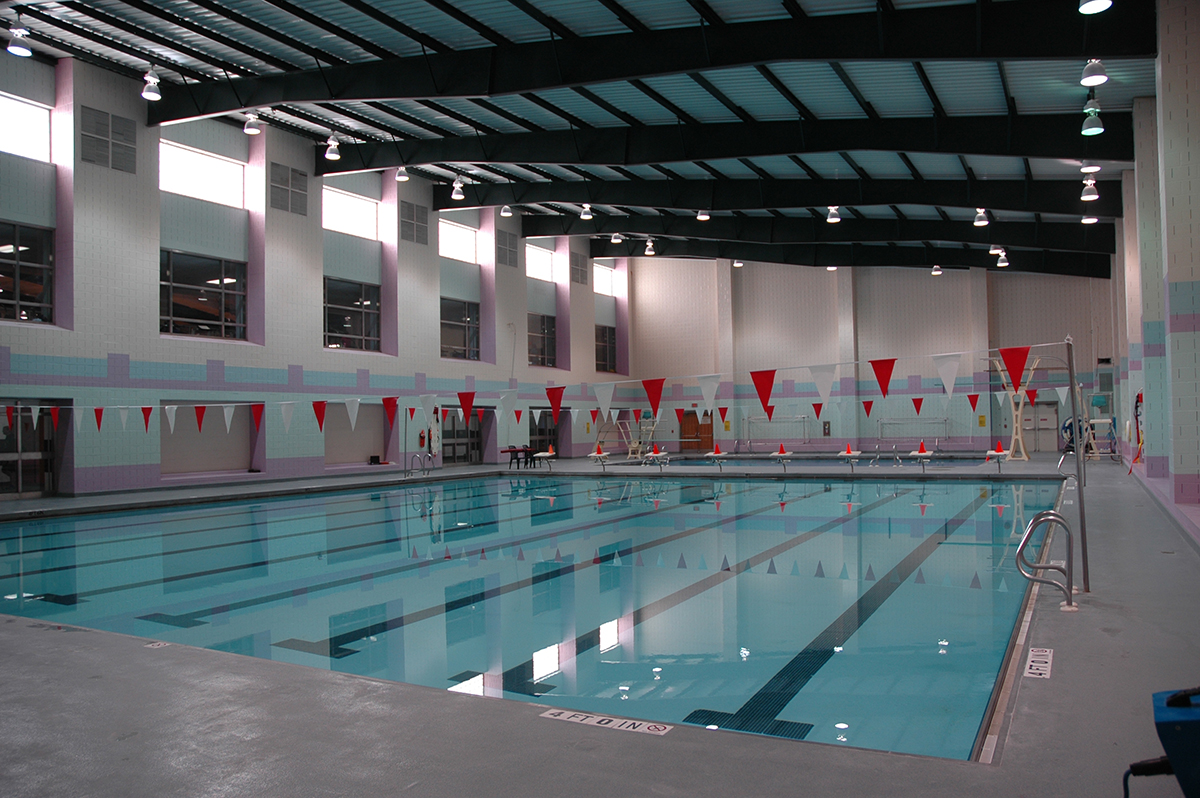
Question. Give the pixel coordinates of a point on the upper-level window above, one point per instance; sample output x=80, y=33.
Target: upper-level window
x=26, y=273
x=202, y=175
x=26, y=128
x=602, y=279
x=351, y=315
x=201, y=296
x=457, y=241
x=539, y=263
x=352, y=214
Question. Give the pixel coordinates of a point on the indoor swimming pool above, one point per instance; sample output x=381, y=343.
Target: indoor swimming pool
x=868, y=614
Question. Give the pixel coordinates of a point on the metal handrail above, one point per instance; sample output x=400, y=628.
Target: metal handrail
x=1049, y=517
x=424, y=464
x=875, y=462
x=896, y=456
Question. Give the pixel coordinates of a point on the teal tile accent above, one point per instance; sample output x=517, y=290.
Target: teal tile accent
x=50, y=366
x=150, y=370
x=330, y=379
x=257, y=376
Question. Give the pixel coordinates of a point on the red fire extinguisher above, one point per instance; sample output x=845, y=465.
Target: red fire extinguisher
x=421, y=440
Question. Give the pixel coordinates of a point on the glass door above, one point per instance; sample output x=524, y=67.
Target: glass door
x=26, y=450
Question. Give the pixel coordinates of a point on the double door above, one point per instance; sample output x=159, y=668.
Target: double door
x=27, y=445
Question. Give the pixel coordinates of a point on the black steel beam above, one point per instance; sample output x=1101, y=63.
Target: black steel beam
x=1047, y=136
x=1061, y=236
x=917, y=34
x=1038, y=196
x=1076, y=264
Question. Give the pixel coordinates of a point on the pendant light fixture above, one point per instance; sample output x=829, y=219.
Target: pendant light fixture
x=617, y=238
x=996, y=249
x=1094, y=6
x=586, y=213
x=981, y=219
x=1089, y=167
x=18, y=45
x=1002, y=261
x=456, y=193
x=1089, y=220
x=1090, y=194
x=1092, y=126
x=402, y=175
x=831, y=268
x=702, y=216
x=834, y=217
x=737, y=264
x=1094, y=74
x=253, y=126
x=936, y=271
x=506, y=212
x=151, y=91
x=331, y=149
x=649, y=246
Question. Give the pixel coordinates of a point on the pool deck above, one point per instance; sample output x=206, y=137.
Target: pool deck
x=100, y=714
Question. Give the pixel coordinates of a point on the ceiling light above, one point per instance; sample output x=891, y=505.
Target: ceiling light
x=18, y=45
x=1094, y=6
x=649, y=246
x=457, y=193
x=1092, y=126
x=586, y=213
x=996, y=249
x=1002, y=261
x=1089, y=220
x=702, y=216
x=1093, y=74
x=833, y=217
x=252, y=127
x=402, y=174
x=331, y=150
x=1090, y=194
x=506, y=211
x=1089, y=167
x=981, y=219
x=737, y=264
x=831, y=268
x=617, y=238
x=937, y=270
x=151, y=91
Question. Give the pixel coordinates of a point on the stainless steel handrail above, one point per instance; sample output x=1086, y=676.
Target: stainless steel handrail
x=1049, y=517
x=424, y=464
x=896, y=456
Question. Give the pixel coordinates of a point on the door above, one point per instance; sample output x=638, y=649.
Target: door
x=26, y=450
x=696, y=434
x=1039, y=422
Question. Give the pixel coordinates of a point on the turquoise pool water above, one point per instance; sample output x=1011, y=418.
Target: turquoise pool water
x=854, y=613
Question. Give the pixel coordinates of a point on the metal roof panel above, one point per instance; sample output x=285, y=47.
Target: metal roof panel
x=691, y=97
x=995, y=166
x=880, y=164
x=967, y=88
x=891, y=87
x=936, y=165
x=632, y=101
x=817, y=86
x=585, y=109
x=746, y=87
x=749, y=10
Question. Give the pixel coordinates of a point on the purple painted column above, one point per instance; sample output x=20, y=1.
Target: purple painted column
x=63, y=155
x=256, y=264
x=562, y=302
x=486, y=255
x=389, y=292
x=621, y=295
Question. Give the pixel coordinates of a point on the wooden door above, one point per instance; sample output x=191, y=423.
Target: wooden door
x=696, y=435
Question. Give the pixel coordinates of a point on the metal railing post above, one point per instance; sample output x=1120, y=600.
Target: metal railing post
x=1079, y=467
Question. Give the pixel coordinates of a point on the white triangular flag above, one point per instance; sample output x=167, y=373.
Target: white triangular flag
x=1000, y=396
x=708, y=389
x=1062, y=394
x=823, y=377
x=508, y=402
x=459, y=411
x=427, y=405
x=604, y=395
x=77, y=414
x=170, y=411
x=537, y=416
x=228, y=416
x=615, y=414
x=124, y=413
x=575, y=411
x=352, y=411
x=286, y=409
x=37, y=414
x=947, y=369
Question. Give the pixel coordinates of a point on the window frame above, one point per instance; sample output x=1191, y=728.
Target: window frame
x=536, y=274
x=610, y=349
x=46, y=270
x=579, y=268
x=367, y=294
x=468, y=326
x=222, y=290
x=547, y=334
x=328, y=192
x=21, y=133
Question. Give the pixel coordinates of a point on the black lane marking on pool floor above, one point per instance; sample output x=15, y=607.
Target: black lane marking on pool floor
x=759, y=713
x=334, y=647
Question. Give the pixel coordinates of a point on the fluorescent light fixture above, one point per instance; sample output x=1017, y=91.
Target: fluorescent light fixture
x=617, y=238
x=981, y=219
x=331, y=149
x=252, y=127
x=702, y=216
x=506, y=211
x=649, y=246
x=1002, y=261
x=1090, y=194
x=1089, y=167
x=737, y=264
x=586, y=213
x=937, y=270
x=151, y=91
x=834, y=217
x=1088, y=220
x=1092, y=126
x=402, y=175
x=1094, y=74
x=831, y=268
x=18, y=45
x=1094, y=6
x=996, y=249
x=221, y=281
x=457, y=192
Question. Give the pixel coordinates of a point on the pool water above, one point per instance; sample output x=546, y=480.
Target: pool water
x=854, y=613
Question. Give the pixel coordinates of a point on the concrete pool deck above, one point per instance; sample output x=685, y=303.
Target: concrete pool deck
x=96, y=713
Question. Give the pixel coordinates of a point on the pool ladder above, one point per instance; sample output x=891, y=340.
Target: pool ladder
x=424, y=461
x=1049, y=517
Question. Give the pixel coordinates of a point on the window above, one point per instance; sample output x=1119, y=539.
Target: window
x=414, y=223
x=202, y=175
x=201, y=296
x=289, y=189
x=541, y=340
x=506, y=248
x=602, y=279
x=351, y=315
x=26, y=128
x=457, y=241
x=352, y=214
x=460, y=329
x=539, y=263
x=579, y=268
x=107, y=140
x=606, y=348
x=26, y=274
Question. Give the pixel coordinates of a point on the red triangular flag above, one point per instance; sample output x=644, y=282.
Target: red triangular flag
x=256, y=411
x=555, y=396
x=146, y=411
x=8, y=410
x=1032, y=394
x=679, y=411
x=782, y=505
x=595, y=414
x=200, y=409
x=319, y=410
x=479, y=414
x=654, y=393
x=973, y=398
x=466, y=400
x=764, y=381
x=867, y=405
x=518, y=414
x=99, y=415
x=389, y=407
x=999, y=510
x=722, y=411
x=54, y=416
x=922, y=506
x=1014, y=360
x=412, y=412
x=817, y=409
x=883, y=372
x=917, y=402
x=445, y=414
x=770, y=411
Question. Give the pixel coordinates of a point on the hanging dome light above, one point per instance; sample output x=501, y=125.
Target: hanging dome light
x=252, y=127
x=331, y=149
x=649, y=246
x=18, y=44
x=1002, y=261
x=834, y=217
x=831, y=268
x=995, y=249
x=1094, y=6
x=1089, y=220
x=937, y=270
x=1092, y=126
x=402, y=175
x=737, y=264
x=981, y=219
x=1090, y=194
x=1094, y=74
x=456, y=193
x=617, y=238
x=586, y=214
x=1089, y=167
x=151, y=91
x=506, y=211
x=702, y=216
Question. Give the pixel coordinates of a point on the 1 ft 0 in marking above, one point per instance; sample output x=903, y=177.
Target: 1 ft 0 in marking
x=1037, y=666
x=621, y=724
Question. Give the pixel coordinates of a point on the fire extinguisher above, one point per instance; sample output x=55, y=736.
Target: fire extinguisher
x=421, y=440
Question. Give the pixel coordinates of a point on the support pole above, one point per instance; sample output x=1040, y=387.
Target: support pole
x=1079, y=464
